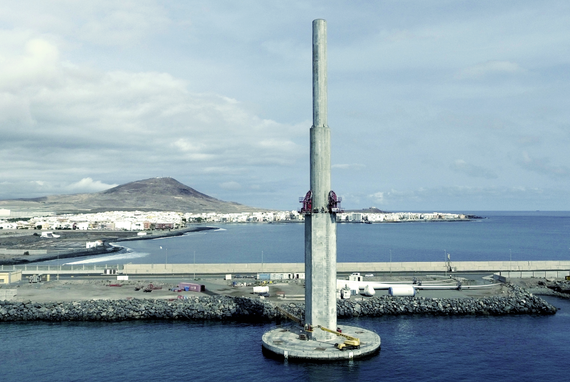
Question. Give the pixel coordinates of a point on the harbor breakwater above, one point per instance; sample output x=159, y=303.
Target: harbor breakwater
x=518, y=301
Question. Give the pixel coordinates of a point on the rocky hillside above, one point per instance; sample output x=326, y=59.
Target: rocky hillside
x=163, y=194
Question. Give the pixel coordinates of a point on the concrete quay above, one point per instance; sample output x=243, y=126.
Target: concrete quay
x=514, y=269
x=286, y=343
x=380, y=267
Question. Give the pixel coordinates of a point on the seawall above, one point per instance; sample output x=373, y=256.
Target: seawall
x=516, y=269
x=554, y=269
x=518, y=301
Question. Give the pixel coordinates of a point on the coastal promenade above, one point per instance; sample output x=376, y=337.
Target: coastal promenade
x=512, y=269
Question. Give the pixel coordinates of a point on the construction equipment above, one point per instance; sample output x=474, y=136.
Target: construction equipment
x=290, y=315
x=349, y=343
x=149, y=288
x=306, y=327
x=35, y=278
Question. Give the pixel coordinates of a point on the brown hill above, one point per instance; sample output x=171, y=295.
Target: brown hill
x=369, y=210
x=162, y=194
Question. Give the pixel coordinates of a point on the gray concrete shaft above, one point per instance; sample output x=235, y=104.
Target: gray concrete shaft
x=320, y=143
x=319, y=72
x=320, y=167
x=320, y=273
x=320, y=223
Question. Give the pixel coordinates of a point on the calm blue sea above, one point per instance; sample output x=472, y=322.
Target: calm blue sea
x=525, y=348
x=501, y=236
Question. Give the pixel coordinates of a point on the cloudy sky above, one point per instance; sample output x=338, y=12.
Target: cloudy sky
x=433, y=105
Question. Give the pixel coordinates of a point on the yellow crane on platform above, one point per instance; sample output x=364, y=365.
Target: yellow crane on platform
x=349, y=343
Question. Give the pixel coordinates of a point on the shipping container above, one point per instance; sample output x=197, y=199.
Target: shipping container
x=279, y=276
x=260, y=289
x=192, y=287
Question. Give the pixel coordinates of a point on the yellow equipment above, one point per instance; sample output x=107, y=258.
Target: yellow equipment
x=290, y=316
x=349, y=343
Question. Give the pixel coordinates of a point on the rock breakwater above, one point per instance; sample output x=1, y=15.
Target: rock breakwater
x=198, y=308
x=519, y=302
x=253, y=310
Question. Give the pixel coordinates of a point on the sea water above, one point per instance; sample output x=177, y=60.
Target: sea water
x=418, y=348
x=414, y=348
x=500, y=236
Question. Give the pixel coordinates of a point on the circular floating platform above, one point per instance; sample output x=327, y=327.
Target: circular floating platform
x=289, y=343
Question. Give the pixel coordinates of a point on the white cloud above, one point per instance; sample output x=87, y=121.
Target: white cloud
x=542, y=166
x=462, y=167
x=389, y=197
x=122, y=91
x=102, y=22
x=38, y=188
x=230, y=185
x=378, y=197
x=24, y=64
x=74, y=120
x=348, y=166
x=467, y=198
x=87, y=185
x=489, y=68
x=123, y=22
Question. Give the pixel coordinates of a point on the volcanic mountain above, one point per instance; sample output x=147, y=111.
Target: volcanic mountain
x=155, y=194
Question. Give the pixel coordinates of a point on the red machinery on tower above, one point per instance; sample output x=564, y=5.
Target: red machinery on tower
x=333, y=205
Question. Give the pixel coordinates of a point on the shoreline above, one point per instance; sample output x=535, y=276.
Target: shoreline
x=171, y=233
x=81, y=237
x=16, y=247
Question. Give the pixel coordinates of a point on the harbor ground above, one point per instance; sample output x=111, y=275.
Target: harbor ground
x=78, y=288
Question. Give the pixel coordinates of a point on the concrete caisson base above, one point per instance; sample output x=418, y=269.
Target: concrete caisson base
x=287, y=344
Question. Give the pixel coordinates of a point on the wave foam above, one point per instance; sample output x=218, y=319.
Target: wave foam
x=119, y=256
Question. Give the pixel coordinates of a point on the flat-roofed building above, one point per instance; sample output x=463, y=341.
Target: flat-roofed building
x=9, y=277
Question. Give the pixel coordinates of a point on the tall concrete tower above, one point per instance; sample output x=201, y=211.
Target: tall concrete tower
x=320, y=207
x=320, y=204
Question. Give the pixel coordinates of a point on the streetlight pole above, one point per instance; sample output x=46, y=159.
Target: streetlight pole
x=194, y=265
x=166, y=256
x=510, y=262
